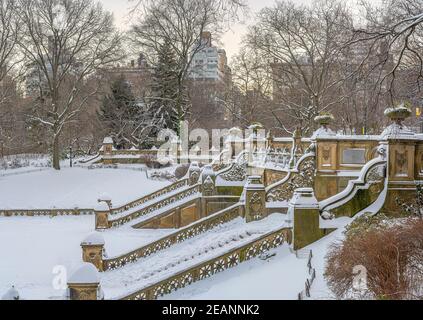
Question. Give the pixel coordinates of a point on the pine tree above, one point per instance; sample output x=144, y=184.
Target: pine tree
x=165, y=87
x=119, y=111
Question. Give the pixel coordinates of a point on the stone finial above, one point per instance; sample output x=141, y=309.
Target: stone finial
x=397, y=129
x=93, y=250
x=324, y=120
x=84, y=284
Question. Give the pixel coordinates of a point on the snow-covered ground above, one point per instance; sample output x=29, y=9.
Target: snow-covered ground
x=73, y=188
x=30, y=249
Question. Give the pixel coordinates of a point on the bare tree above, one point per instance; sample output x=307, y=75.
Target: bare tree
x=181, y=23
x=305, y=45
x=395, y=30
x=64, y=43
x=9, y=29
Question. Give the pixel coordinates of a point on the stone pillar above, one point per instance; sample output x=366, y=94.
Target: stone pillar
x=84, y=284
x=102, y=212
x=208, y=179
x=194, y=174
x=93, y=250
x=107, y=150
x=255, y=206
x=304, y=217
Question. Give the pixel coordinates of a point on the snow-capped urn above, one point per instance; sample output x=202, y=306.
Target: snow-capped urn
x=398, y=115
x=11, y=294
x=324, y=120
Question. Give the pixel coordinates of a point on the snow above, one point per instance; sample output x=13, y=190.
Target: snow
x=30, y=249
x=94, y=239
x=161, y=265
x=108, y=140
x=101, y=207
x=12, y=294
x=74, y=188
x=85, y=274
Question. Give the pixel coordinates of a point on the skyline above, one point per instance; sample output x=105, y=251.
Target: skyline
x=230, y=41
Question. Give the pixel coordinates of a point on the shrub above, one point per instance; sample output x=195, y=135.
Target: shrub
x=391, y=252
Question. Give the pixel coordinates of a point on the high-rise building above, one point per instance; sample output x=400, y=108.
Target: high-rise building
x=210, y=63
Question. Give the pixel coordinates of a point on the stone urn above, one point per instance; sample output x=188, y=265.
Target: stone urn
x=324, y=119
x=398, y=114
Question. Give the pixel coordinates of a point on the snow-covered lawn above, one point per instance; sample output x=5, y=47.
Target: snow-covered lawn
x=30, y=248
x=73, y=188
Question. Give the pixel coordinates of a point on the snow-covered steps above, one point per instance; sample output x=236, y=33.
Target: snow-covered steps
x=206, y=224
x=153, y=205
x=196, y=259
x=153, y=197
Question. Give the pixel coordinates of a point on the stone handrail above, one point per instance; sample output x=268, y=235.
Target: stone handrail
x=369, y=175
x=113, y=223
x=159, y=193
x=82, y=212
x=302, y=174
x=46, y=212
x=182, y=235
x=213, y=266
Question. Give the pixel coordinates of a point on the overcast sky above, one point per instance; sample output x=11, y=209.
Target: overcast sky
x=230, y=41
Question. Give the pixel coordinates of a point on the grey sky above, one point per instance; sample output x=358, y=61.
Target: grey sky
x=230, y=41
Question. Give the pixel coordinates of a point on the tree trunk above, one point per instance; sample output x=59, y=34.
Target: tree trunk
x=56, y=153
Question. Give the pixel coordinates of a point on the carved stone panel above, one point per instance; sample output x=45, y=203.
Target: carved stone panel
x=401, y=162
x=327, y=159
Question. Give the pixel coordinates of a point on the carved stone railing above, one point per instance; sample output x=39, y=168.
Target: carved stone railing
x=83, y=212
x=46, y=212
x=360, y=193
x=182, y=235
x=213, y=266
x=157, y=194
x=302, y=176
x=113, y=223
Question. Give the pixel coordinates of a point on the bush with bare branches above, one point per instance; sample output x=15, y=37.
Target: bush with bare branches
x=391, y=253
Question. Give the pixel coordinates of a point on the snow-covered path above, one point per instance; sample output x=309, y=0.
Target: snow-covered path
x=73, y=188
x=30, y=248
x=211, y=244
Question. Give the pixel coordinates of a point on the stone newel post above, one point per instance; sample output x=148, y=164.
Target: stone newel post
x=304, y=216
x=194, y=174
x=255, y=200
x=93, y=250
x=84, y=284
x=107, y=150
x=102, y=212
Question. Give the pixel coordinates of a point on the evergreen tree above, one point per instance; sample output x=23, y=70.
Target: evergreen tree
x=165, y=87
x=119, y=111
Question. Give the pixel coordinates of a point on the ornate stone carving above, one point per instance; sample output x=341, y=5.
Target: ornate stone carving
x=237, y=173
x=256, y=205
x=401, y=162
x=208, y=187
x=303, y=179
x=376, y=175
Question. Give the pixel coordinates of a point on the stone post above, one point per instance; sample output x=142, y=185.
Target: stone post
x=102, y=212
x=194, y=173
x=84, y=284
x=255, y=206
x=107, y=150
x=304, y=216
x=208, y=179
x=93, y=250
